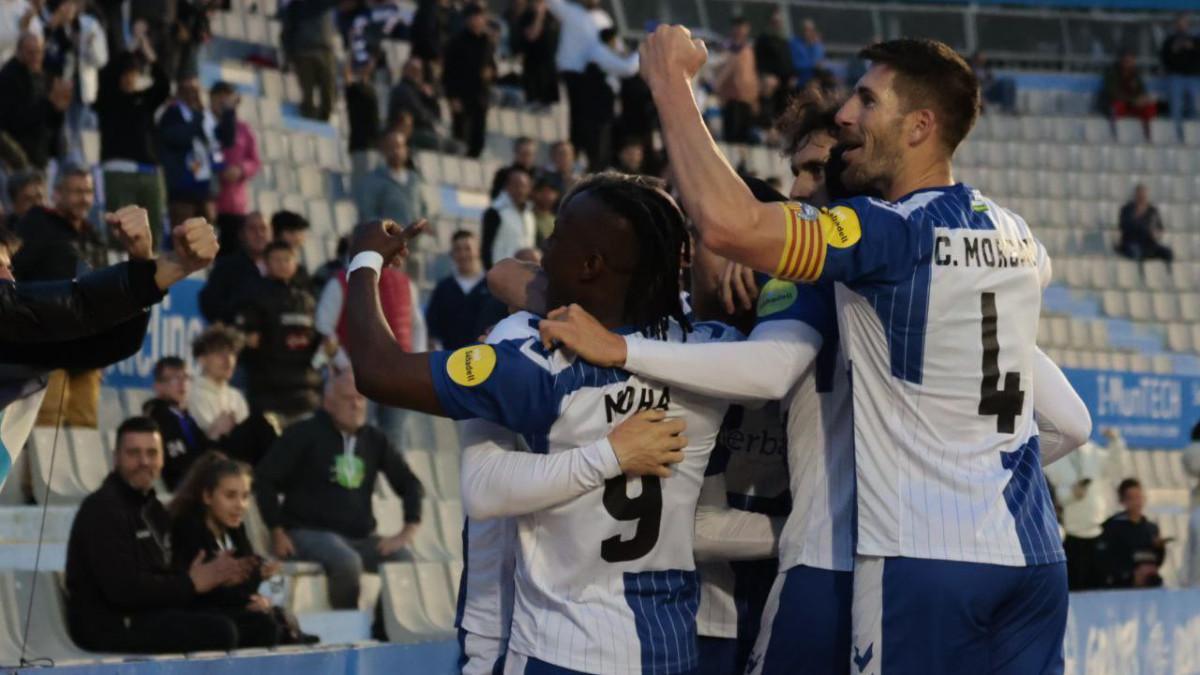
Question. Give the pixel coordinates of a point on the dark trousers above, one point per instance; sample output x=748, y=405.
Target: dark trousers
x=228, y=227
x=314, y=70
x=576, y=109
x=539, y=80
x=597, y=143
x=737, y=118
x=469, y=125
x=171, y=631
x=1149, y=249
x=1085, y=569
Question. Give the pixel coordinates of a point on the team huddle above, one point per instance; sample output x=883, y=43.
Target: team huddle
x=661, y=476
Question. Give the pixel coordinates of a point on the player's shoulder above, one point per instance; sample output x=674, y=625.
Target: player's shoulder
x=707, y=331
x=516, y=326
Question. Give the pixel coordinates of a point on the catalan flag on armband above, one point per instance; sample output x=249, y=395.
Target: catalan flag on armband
x=803, y=256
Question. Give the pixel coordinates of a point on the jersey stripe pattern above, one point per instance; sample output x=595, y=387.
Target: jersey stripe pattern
x=606, y=582
x=939, y=296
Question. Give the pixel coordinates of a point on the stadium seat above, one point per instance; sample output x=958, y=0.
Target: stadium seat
x=450, y=527
x=421, y=464
x=1114, y=303
x=1166, y=306
x=1189, y=307
x=405, y=620
x=446, y=474
x=48, y=636
x=89, y=458
x=51, y=468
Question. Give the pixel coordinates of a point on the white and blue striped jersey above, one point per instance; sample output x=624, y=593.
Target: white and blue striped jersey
x=819, y=531
x=938, y=306
x=606, y=583
x=751, y=457
x=486, y=587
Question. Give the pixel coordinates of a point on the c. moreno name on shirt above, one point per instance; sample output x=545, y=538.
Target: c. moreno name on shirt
x=976, y=248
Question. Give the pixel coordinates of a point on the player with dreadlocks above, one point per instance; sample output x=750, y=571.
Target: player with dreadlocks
x=605, y=579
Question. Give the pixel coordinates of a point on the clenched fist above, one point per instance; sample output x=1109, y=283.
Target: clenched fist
x=131, y=225
x=195, y=243
x=669, y=53
x=385, y=237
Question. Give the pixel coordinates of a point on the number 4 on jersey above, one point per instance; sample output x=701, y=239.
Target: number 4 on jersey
x=1004, y=403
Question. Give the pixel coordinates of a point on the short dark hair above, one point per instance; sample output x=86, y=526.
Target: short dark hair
x=738, y=21
x=931, y=74
x=167, y=363
x=217, y=338
x=521, y=140
x=138, y=424
x=277, y=245
x=806, y=114
x=1126, y=485
x=221, y=88
x=461, y=234
x=543, y=183
x=19, y=180
x=288, y=221
x=71, y=170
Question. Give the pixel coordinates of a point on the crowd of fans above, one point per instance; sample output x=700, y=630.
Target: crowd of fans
x=144, y=576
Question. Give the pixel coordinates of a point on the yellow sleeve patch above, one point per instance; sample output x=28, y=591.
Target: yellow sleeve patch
x=840, y=226
x=471, y=366
x=803, y=257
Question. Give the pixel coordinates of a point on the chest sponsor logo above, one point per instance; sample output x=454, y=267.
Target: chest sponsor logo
x=635, y=399
x=471, y=366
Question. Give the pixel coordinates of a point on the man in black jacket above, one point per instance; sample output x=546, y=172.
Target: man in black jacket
x=182, y=438
x=123, y=595
x=417, y=96
x=32, y=107
x=126, y=114
x=461, y=307
x=281, y=338
x=325, y=469
x=237, y=274
x=467, y=79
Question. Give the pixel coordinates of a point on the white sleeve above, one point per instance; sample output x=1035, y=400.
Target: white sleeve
x=1064, y=422
x=613, y=63
x=420, y=332
x=724, y=533
x=329, y=308
x=763, y=367
x=203, y=409
x=497, y=480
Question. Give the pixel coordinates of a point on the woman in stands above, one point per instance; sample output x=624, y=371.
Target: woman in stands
x=208, y=519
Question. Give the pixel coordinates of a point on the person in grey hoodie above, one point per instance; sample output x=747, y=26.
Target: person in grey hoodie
x=393, y=190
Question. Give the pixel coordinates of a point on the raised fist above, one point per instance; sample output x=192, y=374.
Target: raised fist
x=131, y=225
x=195, y=242
x=671, y=52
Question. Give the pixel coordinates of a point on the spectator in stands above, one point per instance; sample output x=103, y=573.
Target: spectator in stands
x=1128, y=535
x=808, y=52
x=292, y=229
x=606, y=64
x=524, y=157
x=415, y=94
x=630, y=157
x=430, y=31
x=125, y=592
x=238, y=273
x=563, y=172
x=362, y=111
x=60, y=243
x=998, y=91
x=239, y=151
x=538, y=38
x=508, y=224
x=580, y=32
x=394, y=190
x=76, y=50
x=545, y=209
x=185, y=150
x=1124, y=93
x=1181, y=62
x=773, y=56
x=208, y=515
x=126, y=114
x=470, y=70
x=330, y=268
x=1142, y=230
x=307, y=38
x=280, y=340
x=1082, y=484
x=26, y=190
x=461, y=307
x=33, y=104
x=737, y=84
x=17, y=17
x=325, y=469
x=638, y=117
x=213, y=403
x=182, y=438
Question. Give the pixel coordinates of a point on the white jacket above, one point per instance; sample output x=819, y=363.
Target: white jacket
x=517, y=228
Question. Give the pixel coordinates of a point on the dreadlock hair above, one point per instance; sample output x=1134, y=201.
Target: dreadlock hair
x=653, y=298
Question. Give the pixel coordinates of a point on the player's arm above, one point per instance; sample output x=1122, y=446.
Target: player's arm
x=1063, y=420
x=383, y=371
x=498, y=481
x=724, y=533
x=731, y=221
